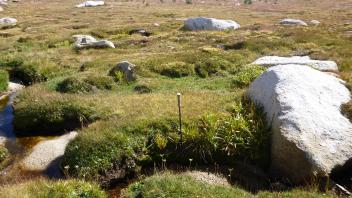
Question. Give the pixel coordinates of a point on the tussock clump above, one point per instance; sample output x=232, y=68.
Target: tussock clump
x=74, y=85
x=100, y=82
x=4, y=153
x=177, y=69
x=59, y=188
x=211, y=66
x=28, y=74
x=51, y=115
x=142, y=89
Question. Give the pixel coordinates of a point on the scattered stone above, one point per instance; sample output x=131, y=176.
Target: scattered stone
x=302, y=106
x=202, y=23
x=293, y=22
x=90, y=4
x=46, y=153
x=1, y=9
x=7, y=22
x=315, y=22
x=125, y=68
x=156, y=24
x=269, y=61
x=14, y=87
x=3, y=2
x=86, y=41
x=142, y=32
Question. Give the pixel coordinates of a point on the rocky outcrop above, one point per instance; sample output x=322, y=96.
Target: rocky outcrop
x=202, y=23
x=314, y=22
x=310, y=136
x=90, y=4
x=293, y=22
x=126, y=69
x=86, y=41
x=47, y=153
x=269, y=61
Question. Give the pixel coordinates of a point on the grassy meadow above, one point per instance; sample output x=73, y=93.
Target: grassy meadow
x=128, y=128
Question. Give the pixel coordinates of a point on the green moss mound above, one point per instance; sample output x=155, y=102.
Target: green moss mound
x=74, y=85
x=52, y=116
x=169, y=185
x=100, y=82
x=177, y=69
x=58, y=189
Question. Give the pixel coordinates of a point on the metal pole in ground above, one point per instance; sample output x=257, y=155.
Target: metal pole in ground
x=179, y=114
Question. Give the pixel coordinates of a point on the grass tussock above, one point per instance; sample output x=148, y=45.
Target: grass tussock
x=60, y=189
x=239, y=134
x=173, y=185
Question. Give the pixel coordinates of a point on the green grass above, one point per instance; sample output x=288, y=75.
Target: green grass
x=51, y=114
x=174, y=186
x=239, y=134
x=4, y=80
x=246, y=75
x=58, y=189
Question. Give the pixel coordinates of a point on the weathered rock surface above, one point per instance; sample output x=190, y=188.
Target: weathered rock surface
x=293, y=22
x=13, y=87
x=310, y=136
x=126, y=68
x=87, y=41
x=46, y=153
x=8, y=22
x=90, y=4
x=269, y=61
x=202, y=23
x=315, y=22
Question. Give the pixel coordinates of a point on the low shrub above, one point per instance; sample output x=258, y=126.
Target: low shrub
x=4, y=153
x=212, y=65
x=51, y=116
x=59, y=188
x=171, y=185
x=100, y=82
x=180, y=185
x=246, y=75
x=28, y=74
x=347, y=110
x=112, y=153
x=141, y=89
x=4, y=80
x=177, y=69
x=73, y=85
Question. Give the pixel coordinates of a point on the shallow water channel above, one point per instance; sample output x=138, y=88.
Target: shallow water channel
x=18, y=147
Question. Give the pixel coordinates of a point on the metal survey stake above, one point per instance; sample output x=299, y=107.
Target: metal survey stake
x=179, y=114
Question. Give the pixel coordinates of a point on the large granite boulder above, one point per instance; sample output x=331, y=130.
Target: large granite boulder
x=293, y=22
x=87, y=41
x=310, y=136
x=269, y=61
x=90, y=4
x=125, y=69
x=202, y=23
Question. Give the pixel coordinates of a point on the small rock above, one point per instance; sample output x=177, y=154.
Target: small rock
x=315, y=22
x=269, y=61
x=90, y=4
x=142, y=32
x=202, y=23
x=293, y=22
x=87, y=41
x=126, y=68
x=14, y=87
x=1, y=9
x=156, y=24
x=8, y=22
